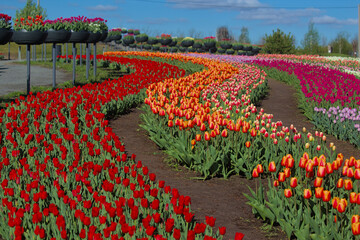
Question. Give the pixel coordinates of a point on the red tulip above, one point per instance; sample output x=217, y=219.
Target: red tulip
x=293, y=182
x=224, y=133
x=222, y=230
x=348, y=184
x=260, y=168
x=353, y=197
x=319, y=192
x=248, y=144
x=287, y=193
x=335, y=202
x=272, y=167
x=255, y=173
x=239, y=236
x=318, y=182
x=321, y=171
x=276, y=183
x=326, y=196
x=355, y=227
x=207, y=136
x=307, y=193
x=350, y=172
x=340, y=183
x=355, y=218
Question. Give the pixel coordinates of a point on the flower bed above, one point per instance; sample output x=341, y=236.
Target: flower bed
x=65, y=174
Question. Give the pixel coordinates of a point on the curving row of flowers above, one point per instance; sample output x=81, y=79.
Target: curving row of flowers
x=204, y=120
x=65, y=174
x=329, y=96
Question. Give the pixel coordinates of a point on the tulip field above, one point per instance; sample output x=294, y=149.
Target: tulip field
x=64, y=174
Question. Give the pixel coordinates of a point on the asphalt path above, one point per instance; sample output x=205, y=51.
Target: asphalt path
x=13, y=77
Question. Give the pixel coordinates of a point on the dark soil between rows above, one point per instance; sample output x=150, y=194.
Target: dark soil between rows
x=222, y=199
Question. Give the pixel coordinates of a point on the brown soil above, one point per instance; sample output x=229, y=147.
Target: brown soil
x=222, y=199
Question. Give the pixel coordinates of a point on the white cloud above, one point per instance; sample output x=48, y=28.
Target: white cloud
x=216, y=4
x=331, y=20
x=277, y=16
x=103, y=8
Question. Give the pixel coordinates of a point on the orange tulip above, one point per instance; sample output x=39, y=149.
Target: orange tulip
x=329, y=168
x=355, y=228
x=248, y=144
x=318, y=182
x=272, y=167
x=348, y=184
x=207, y=136
x=341, y=207
x=357, y=174
x=335, y=202
x=307, y=193
x=224, y=133
x=255, y=173
x=302, y=162
x=290, y=162
x=287, y=193
x=321, y=171
x=353, y=197
x=170, y=123
x=326, y=196
x=287, y=172
x=318, y=192
x=355, y=218
x=340, y=183
x=350, y=172
x=276, y=183
x=281, y=177
x=198, y=137
x=193, y=142
x=293, y=182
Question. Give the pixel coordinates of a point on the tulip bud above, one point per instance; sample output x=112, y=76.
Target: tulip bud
x=307, y=145
x=287, y=172
x=355, y=218
x=318, y=182
x=255, y=173
x=324, y=138
x=318, y=192
x=287, y=193
x=321, y=171
x=348, y=184
x=304, y=129
x=307, y=193
x=335, y=202
x=357, y=173
x=290, y=162
x=326, y=196
x=276, y=183
x=350, y=172
x=293, y=182
x=272, y=167
x=207, y=136
x=302, y=162
x=318, y=147
x=340, y=183
x=341, y=207
x=355, y=228
x=198, y=137
x=329, y=168
x=334, y=148
x=353, y=197
x=281, y=177
x=193, y=142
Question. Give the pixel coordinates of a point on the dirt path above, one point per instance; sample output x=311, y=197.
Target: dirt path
x=220, y=198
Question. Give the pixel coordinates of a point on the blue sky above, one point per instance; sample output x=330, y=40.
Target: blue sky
x=202, y=18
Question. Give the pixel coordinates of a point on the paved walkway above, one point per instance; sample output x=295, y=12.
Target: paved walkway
x=13, y=77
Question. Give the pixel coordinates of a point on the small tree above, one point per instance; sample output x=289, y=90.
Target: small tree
x=279, y=42
x=311, y=40
x=222, y=33
x=244, y=36
x=341, y=43
x=30, y=9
